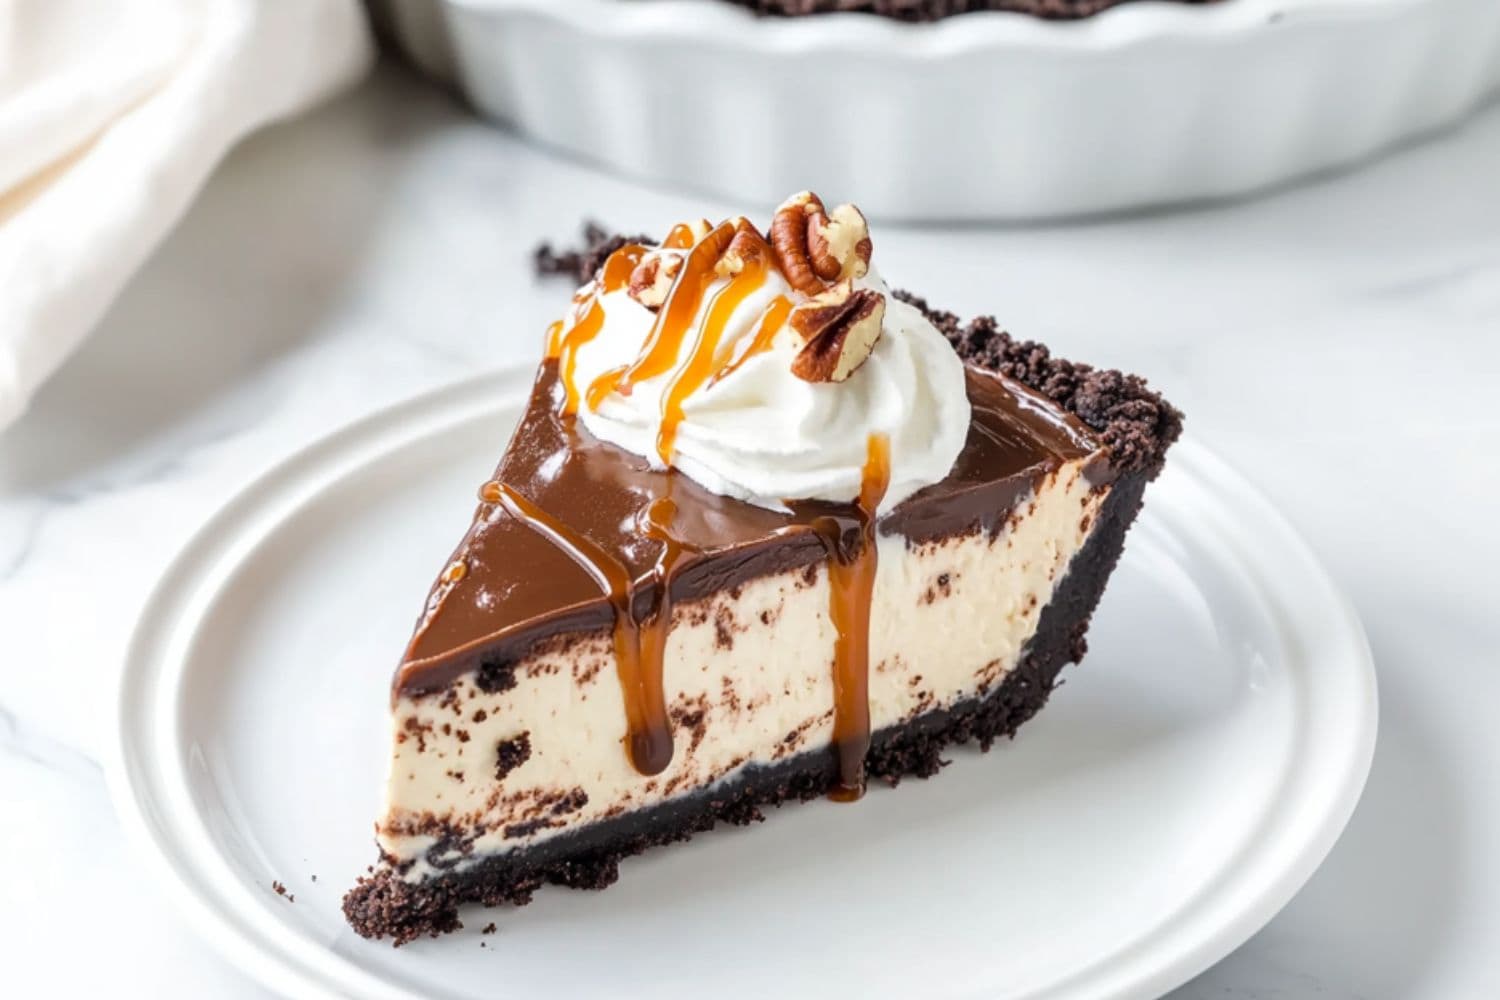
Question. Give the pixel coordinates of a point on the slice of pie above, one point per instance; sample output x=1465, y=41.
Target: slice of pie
x=766, y=530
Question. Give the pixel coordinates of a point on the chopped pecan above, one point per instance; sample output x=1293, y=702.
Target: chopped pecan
x=747, y=246
x=814, y=246
x=653, y=277
x=834, y=331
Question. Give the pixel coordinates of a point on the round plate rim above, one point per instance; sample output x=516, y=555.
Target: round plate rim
x=280, y=959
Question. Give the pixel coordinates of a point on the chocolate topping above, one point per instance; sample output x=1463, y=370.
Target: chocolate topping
x=519, y=587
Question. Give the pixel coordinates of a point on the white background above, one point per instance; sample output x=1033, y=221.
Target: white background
x=1338, y=341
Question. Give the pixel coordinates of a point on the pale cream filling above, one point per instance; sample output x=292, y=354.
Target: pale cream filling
x=749, y=681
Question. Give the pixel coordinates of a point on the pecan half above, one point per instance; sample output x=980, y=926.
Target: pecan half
x=834, y=331
x=747, y=247
x=814, y=246
x=653, y=277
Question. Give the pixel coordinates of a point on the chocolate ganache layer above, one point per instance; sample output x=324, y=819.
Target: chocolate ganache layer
x=509, y=585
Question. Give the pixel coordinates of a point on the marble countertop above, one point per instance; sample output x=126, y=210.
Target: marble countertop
x=1338, y=341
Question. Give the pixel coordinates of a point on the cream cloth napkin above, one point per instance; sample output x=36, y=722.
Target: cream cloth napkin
x=112, y=114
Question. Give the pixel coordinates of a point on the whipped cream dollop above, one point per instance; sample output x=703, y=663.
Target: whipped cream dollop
x=753, y=429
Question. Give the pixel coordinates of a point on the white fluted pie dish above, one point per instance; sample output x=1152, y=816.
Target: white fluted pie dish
x=985, y=115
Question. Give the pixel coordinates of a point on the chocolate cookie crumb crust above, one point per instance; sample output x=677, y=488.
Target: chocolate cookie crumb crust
x=936, y=10
x=383, y=905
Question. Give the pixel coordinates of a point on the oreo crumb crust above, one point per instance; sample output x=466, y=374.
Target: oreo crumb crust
x=583, y=263
x=383, y=905
x=936, y=10
x=1135, y=423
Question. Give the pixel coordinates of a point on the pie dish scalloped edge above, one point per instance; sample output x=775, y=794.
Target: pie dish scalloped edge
x=996, y=116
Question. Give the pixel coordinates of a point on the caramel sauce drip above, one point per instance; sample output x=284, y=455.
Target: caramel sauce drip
x=698, y=367
x=554, y=340
x=563, y=343
x=851, y=586
x=619, y=265
x=585, y=330
x=664, y=341
x=680, y=238
x=771, y=322
x=640, y=643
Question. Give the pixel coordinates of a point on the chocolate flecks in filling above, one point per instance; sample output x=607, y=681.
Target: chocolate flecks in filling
x=384, y=905
x=511, y=754
x=989, y=674
x=941, y=587
x=935, y=10
x=480, y=715
x=691, y=717
x=571, y=802
x=585, y=671
x=496, y=675
x=724, y=628
x=729, y=698
x=413, y=726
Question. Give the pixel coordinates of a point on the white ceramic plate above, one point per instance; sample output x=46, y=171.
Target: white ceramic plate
x=989, y=115
x=1181, y=786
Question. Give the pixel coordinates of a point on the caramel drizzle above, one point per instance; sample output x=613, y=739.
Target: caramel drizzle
x=639, y=642
x=563, y=344
x=771, y=322
x=619, y=266
x=664, y=341
x=851, y=586
x=696, y=370
x=680, y=238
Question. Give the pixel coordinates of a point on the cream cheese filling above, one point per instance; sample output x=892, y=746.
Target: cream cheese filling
x=749, y=681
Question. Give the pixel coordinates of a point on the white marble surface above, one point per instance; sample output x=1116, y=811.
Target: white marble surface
x=1339, y=342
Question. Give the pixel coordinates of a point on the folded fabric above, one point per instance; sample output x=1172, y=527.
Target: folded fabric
x=111, y=117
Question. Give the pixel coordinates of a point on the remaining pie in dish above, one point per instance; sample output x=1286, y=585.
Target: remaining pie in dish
x=933, y=10
x=765, y=530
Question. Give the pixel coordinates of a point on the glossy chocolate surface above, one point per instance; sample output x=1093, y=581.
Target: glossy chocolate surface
x=508, y=585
